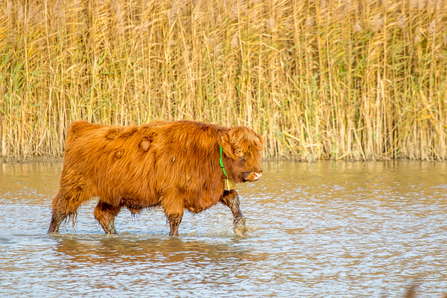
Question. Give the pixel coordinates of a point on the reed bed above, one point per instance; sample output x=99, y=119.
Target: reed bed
x=319, y=79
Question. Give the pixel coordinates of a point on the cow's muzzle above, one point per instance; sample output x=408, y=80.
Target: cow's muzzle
x=252, y=176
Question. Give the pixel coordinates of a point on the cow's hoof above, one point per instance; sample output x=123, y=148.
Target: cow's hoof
x=239, y=228
x=239, y=232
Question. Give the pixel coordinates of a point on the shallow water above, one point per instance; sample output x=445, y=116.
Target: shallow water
x=325, y=229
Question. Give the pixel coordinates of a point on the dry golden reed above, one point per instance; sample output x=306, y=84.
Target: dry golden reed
x=319, y=79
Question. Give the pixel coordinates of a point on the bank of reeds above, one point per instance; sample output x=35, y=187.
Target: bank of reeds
x=351, y=79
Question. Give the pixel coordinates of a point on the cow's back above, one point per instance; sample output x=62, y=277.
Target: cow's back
x=110, y=162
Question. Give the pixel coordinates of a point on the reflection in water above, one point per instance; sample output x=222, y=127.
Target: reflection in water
x=137, y=249
x=341, y=229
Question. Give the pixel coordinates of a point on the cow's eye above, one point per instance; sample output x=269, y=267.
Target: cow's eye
x=238, y=152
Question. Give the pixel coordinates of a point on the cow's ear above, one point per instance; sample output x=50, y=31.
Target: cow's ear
x=225, y=142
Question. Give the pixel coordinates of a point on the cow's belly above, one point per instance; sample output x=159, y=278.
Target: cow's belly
x=135, y=205
x=201, y=203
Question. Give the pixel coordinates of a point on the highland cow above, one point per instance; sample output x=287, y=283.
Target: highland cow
x=177, y=165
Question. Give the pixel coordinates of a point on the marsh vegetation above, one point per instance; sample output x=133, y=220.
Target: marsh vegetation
x=350, y=79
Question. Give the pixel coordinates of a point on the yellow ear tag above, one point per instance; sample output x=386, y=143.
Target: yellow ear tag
x=229, y=185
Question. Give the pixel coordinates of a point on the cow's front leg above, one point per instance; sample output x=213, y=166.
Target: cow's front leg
x=231, y=199
x=174, y=213
x=174, y=222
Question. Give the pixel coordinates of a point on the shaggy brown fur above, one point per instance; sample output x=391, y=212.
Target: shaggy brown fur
x=170, y=164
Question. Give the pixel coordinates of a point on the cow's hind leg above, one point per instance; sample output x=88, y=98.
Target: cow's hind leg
x=105, y=215
x=58, y=216
x=64, y=205
x=231, y=200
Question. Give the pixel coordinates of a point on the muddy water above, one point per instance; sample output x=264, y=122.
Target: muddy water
x=326, y=229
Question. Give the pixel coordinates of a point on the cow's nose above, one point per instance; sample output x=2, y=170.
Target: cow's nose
x=252, y=176
x=257, y=176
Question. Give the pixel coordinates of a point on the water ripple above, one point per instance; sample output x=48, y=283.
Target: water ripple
x=314, y=230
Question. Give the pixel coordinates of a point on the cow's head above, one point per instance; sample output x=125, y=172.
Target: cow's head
x=243, y=148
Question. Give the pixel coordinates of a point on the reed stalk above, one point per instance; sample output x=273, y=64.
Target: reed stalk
x=319, y=79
